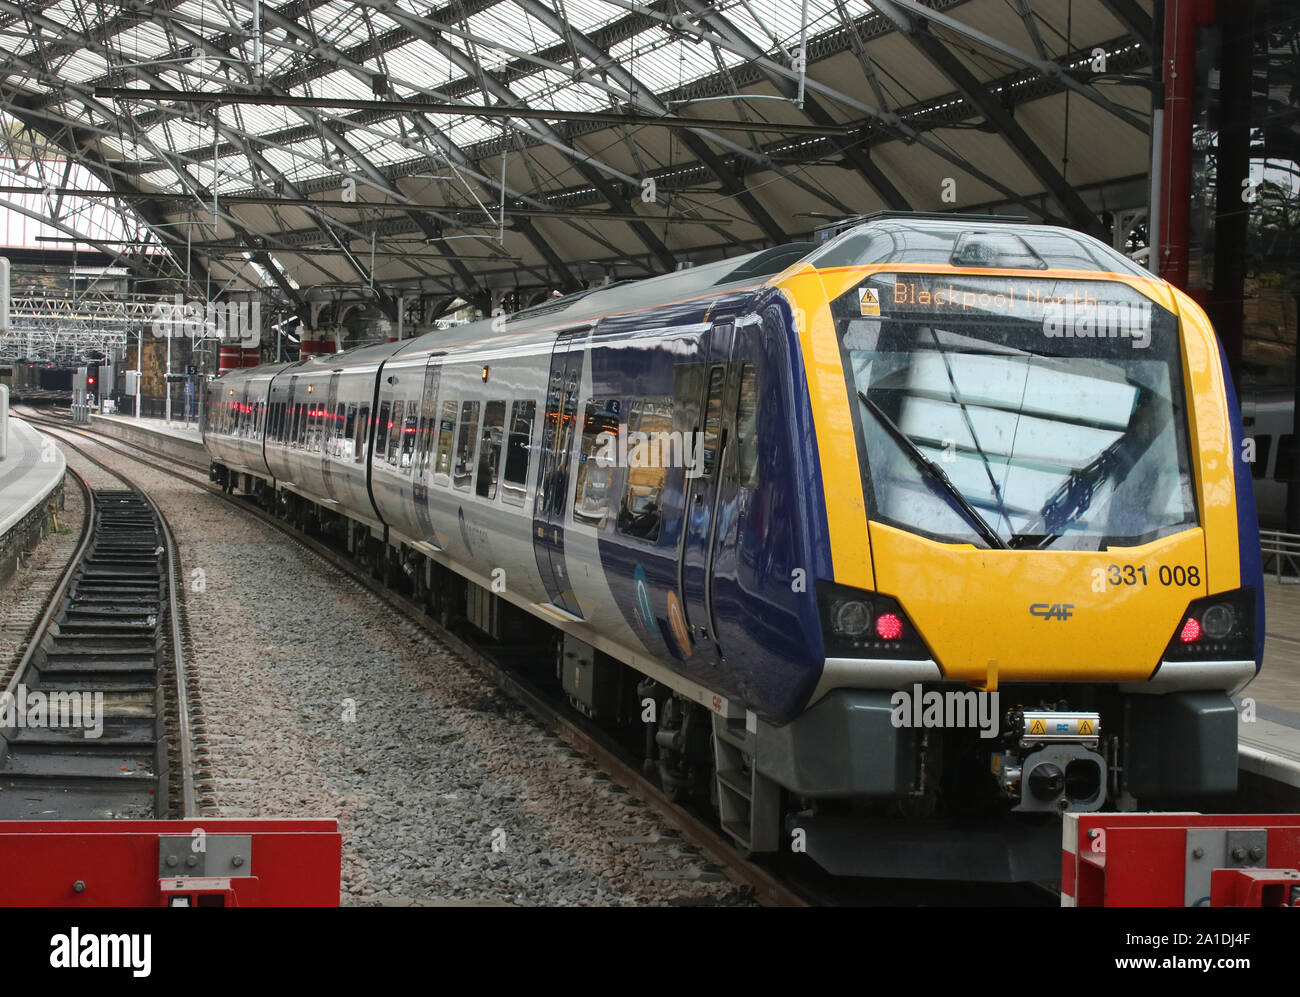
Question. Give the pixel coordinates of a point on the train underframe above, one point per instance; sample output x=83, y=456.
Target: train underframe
x=862, y=782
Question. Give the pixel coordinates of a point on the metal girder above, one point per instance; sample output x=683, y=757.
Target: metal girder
x=589, y=166
x=887, y=119
x=58, y=327
x=640, y=18
x=640, y=94
x=1047, y=67
x=812, y=108
x=1134, y=18
x=82, y=151
x=263, y=259
x=432, y=232
x=1079, y=214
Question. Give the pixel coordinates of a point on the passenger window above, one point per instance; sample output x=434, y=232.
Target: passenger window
x=381, y=431
x=747, y=426
x=409, y=428
x=652, y=447
x=463, y=472
x=428, y=415
x=489, y=451
x=347, y=444
x=363, y=433
x=597, y=461
x=446, y=431
x=514, y=488
x=713, y=419
x=395, y=426
x=1259, y=469
x=318, y=416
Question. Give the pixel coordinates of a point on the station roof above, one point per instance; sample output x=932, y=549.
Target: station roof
x=400, y=147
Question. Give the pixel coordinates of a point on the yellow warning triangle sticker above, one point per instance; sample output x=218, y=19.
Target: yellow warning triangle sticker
x=1037, y=727
x=1085, y=726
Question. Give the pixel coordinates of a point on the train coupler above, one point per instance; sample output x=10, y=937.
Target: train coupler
x=1051, y=761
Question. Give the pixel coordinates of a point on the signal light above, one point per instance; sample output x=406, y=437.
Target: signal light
x=889, y=626
x=1191, y=631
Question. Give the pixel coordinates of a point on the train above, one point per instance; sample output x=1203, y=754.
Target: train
x=1268, y=415
x=889, y=549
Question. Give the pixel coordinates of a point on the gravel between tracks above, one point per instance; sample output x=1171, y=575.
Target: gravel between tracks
x=23, y=594
x=319, y=700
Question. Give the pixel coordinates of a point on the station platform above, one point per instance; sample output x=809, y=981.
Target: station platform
x=179, y=440
x=176, y=428
x=30, y=477
x=1269, y=744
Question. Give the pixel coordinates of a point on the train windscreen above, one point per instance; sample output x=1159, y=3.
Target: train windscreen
x=1029, y=413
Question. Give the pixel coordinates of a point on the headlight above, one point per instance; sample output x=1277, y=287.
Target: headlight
x=850, y=618
x=1218, y=621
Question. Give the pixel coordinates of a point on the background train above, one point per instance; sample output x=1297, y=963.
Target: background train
x=1269, y=418
x=819, y=504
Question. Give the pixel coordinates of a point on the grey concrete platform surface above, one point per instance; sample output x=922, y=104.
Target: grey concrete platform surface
x=30, y=477
x=178, y=440
x=1269, y=744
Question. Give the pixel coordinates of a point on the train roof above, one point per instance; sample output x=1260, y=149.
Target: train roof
x=976, y=241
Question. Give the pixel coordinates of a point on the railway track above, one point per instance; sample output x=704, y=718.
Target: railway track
x=781, y=883
x=97, y=707
x=609, y=756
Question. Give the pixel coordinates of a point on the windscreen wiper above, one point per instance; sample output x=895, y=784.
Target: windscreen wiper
x=1075, y=494
x=970, y=427
x=935, y=472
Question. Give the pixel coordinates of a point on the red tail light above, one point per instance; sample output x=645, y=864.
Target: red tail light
x=1191, y=631
x=889, y=626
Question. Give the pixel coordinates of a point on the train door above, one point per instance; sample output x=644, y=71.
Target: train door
x=426, y=436
x=558, y=437
x=331, y=428
x=736, y=499
x=704, y=458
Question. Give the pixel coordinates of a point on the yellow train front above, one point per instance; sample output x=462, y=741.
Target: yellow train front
x=1046, y=570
